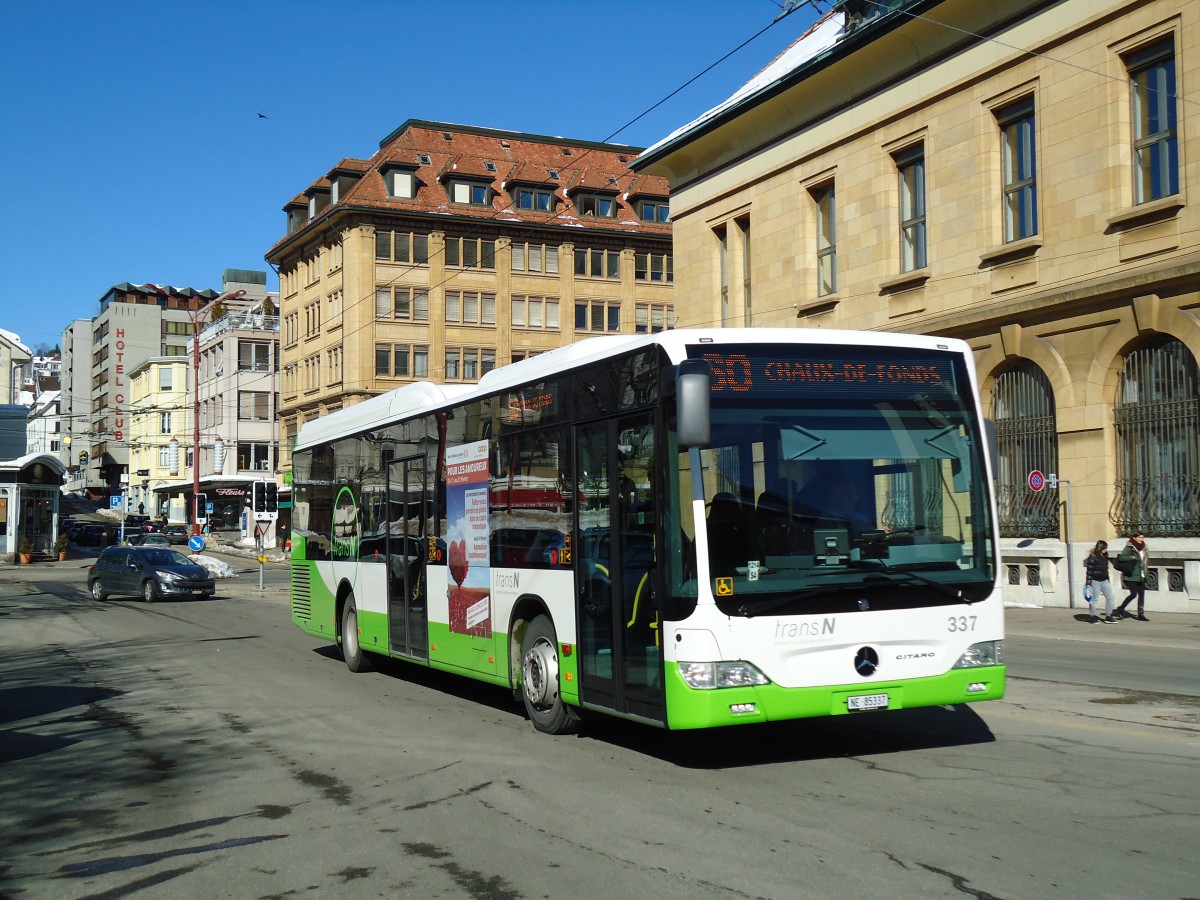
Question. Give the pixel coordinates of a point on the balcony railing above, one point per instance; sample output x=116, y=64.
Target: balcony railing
x=1160, y=506
x=239, y=322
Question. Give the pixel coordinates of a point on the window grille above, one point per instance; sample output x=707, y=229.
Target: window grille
x=1157, y=417
x=1023, y=410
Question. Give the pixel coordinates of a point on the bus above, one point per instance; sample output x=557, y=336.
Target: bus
x=691, y=529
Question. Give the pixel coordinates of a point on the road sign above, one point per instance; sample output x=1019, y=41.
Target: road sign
x=115, y=502
x=208, y=507
x=1037, y=480
x=195, y=543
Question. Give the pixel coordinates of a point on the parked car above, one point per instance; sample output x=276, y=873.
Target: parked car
x=148, y=539
x=177, y=534
x=93, y=535
x=152, y=572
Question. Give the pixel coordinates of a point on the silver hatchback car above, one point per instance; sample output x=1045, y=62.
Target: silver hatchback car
x=152, y=572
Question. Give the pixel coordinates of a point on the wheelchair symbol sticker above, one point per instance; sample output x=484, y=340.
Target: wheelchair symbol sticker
x=724, y=587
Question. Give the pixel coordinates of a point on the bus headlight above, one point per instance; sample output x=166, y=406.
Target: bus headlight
x=709, y=675
x=986, y=653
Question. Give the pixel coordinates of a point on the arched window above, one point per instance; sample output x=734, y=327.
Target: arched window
x=1157, y=415
x=1023, y=410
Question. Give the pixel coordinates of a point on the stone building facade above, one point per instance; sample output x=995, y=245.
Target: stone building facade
x=1022, y=176
x=457, y=249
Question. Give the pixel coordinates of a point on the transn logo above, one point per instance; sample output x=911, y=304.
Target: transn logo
x=730, y=373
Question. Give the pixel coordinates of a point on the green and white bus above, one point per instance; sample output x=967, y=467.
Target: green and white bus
x=690, y=529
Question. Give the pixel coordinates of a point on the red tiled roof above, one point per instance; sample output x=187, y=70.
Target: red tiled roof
x=519, y=159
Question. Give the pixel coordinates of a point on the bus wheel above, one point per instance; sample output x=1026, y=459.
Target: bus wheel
x=539, y=680
x=352, y=652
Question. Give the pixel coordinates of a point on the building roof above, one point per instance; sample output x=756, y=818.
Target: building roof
x=437, y=152
x=15, y=339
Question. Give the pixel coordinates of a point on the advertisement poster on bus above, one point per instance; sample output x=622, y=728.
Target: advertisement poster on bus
x=466, y=538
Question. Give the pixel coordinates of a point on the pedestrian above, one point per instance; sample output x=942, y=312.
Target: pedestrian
x=1132, y=565
x=1096, y=566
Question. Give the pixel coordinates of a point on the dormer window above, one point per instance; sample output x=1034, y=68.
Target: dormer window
x=603, y=206
x=318, y=202
x=401, y=183
x=424, y=159
x=540, y=199
x=654, y=211
x=474, y=193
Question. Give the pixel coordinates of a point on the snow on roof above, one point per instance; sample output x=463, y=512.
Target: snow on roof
x=14, y=338
x=821, y=37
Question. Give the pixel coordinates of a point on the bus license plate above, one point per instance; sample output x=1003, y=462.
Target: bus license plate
x=868, y=701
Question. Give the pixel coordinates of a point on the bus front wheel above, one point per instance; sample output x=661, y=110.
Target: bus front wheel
x=540, y=680
x=352, y=652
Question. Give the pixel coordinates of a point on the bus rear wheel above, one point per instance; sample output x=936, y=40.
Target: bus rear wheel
x=352, y=652
x=540, y=680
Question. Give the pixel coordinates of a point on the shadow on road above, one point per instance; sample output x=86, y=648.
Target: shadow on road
x=834, y=737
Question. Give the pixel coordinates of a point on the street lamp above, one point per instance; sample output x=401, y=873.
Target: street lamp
x=196, y=315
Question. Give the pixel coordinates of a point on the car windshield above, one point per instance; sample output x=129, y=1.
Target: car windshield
x=822, y=490
x=164, y=557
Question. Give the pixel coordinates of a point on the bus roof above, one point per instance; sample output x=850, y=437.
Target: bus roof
x=424, y=397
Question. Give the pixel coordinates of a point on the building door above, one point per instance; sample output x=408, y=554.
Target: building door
x=621, y=658
x=406, y=549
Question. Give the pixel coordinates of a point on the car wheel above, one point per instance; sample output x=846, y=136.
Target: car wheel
x=98, y=592
x=149, y=590
x=540, y=680
x=352, y=652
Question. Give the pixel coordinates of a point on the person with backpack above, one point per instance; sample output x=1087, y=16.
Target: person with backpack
x=1096, y=566
x=1132, y=565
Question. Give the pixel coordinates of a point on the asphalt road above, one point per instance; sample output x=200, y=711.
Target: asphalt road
x=210, y=749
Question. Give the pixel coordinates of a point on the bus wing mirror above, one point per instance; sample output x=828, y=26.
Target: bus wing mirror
x=693, y=398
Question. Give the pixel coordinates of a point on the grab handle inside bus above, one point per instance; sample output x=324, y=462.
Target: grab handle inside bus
x=693, y=384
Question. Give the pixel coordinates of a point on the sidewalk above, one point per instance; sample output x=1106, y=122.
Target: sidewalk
x=1179, y=630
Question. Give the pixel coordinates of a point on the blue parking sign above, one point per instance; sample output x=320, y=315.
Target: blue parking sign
x=114, y=502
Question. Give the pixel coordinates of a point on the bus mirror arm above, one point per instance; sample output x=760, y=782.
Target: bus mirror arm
x=693, y=398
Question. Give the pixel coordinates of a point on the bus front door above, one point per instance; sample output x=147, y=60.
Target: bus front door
x=621, y=659
x=406, y=550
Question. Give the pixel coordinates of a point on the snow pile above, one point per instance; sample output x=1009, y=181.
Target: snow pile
x=217, y=568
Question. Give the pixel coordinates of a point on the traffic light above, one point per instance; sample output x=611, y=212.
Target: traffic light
x=258, y=496
x=201, y=507
x=271, y=496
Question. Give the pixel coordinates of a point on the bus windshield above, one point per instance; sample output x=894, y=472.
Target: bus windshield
x=838, y=479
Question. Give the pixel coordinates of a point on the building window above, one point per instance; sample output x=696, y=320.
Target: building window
x=598, y=263
x=1027, y=438
x=401, y=184
x=651, y=318
x=535, y=312
x=164, y=457
x=539, y=199
x=312, y=318
x=519, y=355
x=1157, y=417
x=654, y=211
x=401, y=361
x=404, y=304
x=164, y=423
x=824, y=201
x=402, y=246
x=910, y=167
x=535, y=258
x=601, y=205
x=1018, y=159
x=334, y=359
x=653, y=267
x=474, y=193
x=470, y=253
x=254, y=406
x=1155, y=135
x=471, y=307
x=254, y=356
x=468, y=363
x=165, y=379
x=598, y=315
x=253, y=457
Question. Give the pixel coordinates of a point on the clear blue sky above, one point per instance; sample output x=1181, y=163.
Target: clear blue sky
x=132, y=148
